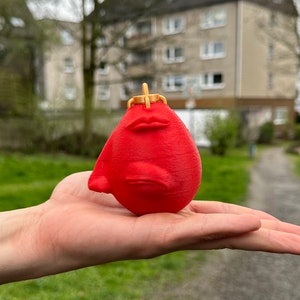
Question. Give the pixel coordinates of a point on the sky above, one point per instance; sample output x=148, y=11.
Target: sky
x=64, y=10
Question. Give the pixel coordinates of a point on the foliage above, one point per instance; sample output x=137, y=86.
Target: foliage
x=20, y=53
x=297, y=132
x=266, y=133
x=29, y=179
x=73, y=143
x=298, y=164
x=222, y=132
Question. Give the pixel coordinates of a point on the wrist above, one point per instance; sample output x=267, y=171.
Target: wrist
x=21, y=255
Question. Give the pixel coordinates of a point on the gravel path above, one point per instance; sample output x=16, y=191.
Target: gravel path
x=243, y=275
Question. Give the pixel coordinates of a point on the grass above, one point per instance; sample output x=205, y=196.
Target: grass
x=297, y=164
x=29, y=179
x=224, y=178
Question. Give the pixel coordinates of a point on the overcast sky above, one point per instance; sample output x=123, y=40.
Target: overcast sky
x=66, y=10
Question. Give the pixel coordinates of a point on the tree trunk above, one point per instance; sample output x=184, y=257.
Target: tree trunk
x=89, y=67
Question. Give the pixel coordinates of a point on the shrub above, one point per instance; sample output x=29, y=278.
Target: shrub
x=222, y=132
x=266, y=133
x=297, y=132
x=73, y=144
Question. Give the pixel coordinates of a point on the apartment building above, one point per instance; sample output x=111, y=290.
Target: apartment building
x=198, y=54
x=227, y=48
x=63, y=79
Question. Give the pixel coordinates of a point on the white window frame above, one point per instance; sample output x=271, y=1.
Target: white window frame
x=213, y=18
x=103, y=71
x=170, y=83
x=170, y=55
x=103, y=92
x=70, y=92
x=208, y=81
x=281, y=115
x=170, y=25
x=208, y=50
x=69, y=65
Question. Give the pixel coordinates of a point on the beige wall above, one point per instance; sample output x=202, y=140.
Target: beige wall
x=257, y=35
x=245, y=65
x=57, y=78
x=192, y=39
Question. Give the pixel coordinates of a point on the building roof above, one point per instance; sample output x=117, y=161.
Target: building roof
x=114, y=11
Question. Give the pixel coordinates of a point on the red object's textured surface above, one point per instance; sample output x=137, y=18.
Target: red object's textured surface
x=150, y=162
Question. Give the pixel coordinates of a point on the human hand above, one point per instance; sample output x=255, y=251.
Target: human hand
x=78, y=228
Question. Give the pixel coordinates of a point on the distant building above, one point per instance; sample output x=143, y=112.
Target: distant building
x=211, y=54
x=63, y=78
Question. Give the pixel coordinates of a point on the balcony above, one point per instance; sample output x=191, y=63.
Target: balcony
x=140, y=63
x=139, y=34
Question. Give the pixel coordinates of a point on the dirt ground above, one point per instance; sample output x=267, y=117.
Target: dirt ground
x=244, y=275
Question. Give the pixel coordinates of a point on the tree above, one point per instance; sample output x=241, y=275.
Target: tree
x=105, y=16
x=19, y=40
x=222, y=132
x=96, y=19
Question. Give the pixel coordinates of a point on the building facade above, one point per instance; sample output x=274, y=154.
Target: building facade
x=198, y=54
x=229, y=49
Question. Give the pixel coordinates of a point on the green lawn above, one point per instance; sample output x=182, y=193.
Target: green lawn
x=29, y=179
x=297, y=168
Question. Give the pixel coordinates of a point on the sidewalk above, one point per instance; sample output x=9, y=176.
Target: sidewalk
x=243, y=275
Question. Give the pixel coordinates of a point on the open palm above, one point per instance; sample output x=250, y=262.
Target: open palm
x=76, y=228
x=88, y=228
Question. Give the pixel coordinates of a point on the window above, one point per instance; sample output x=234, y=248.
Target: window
x=103, y=92
x=140, y=57
x=271, y=51
x=101, y=41
x=212, y=81
x=103, y=68
x=212, y=50
x=66, y=37
x=213, y=18
x=69, y=65
x=123, y=66
x=125, y=92
x=270, y=81
x=173, y=25
x=173, y=83
x=281, y=116
x=141, y=28
x=17, y=22
x=135, y=85
x=173, y=54
x=70, y=92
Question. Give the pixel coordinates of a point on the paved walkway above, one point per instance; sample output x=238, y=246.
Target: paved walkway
x=243, y=275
